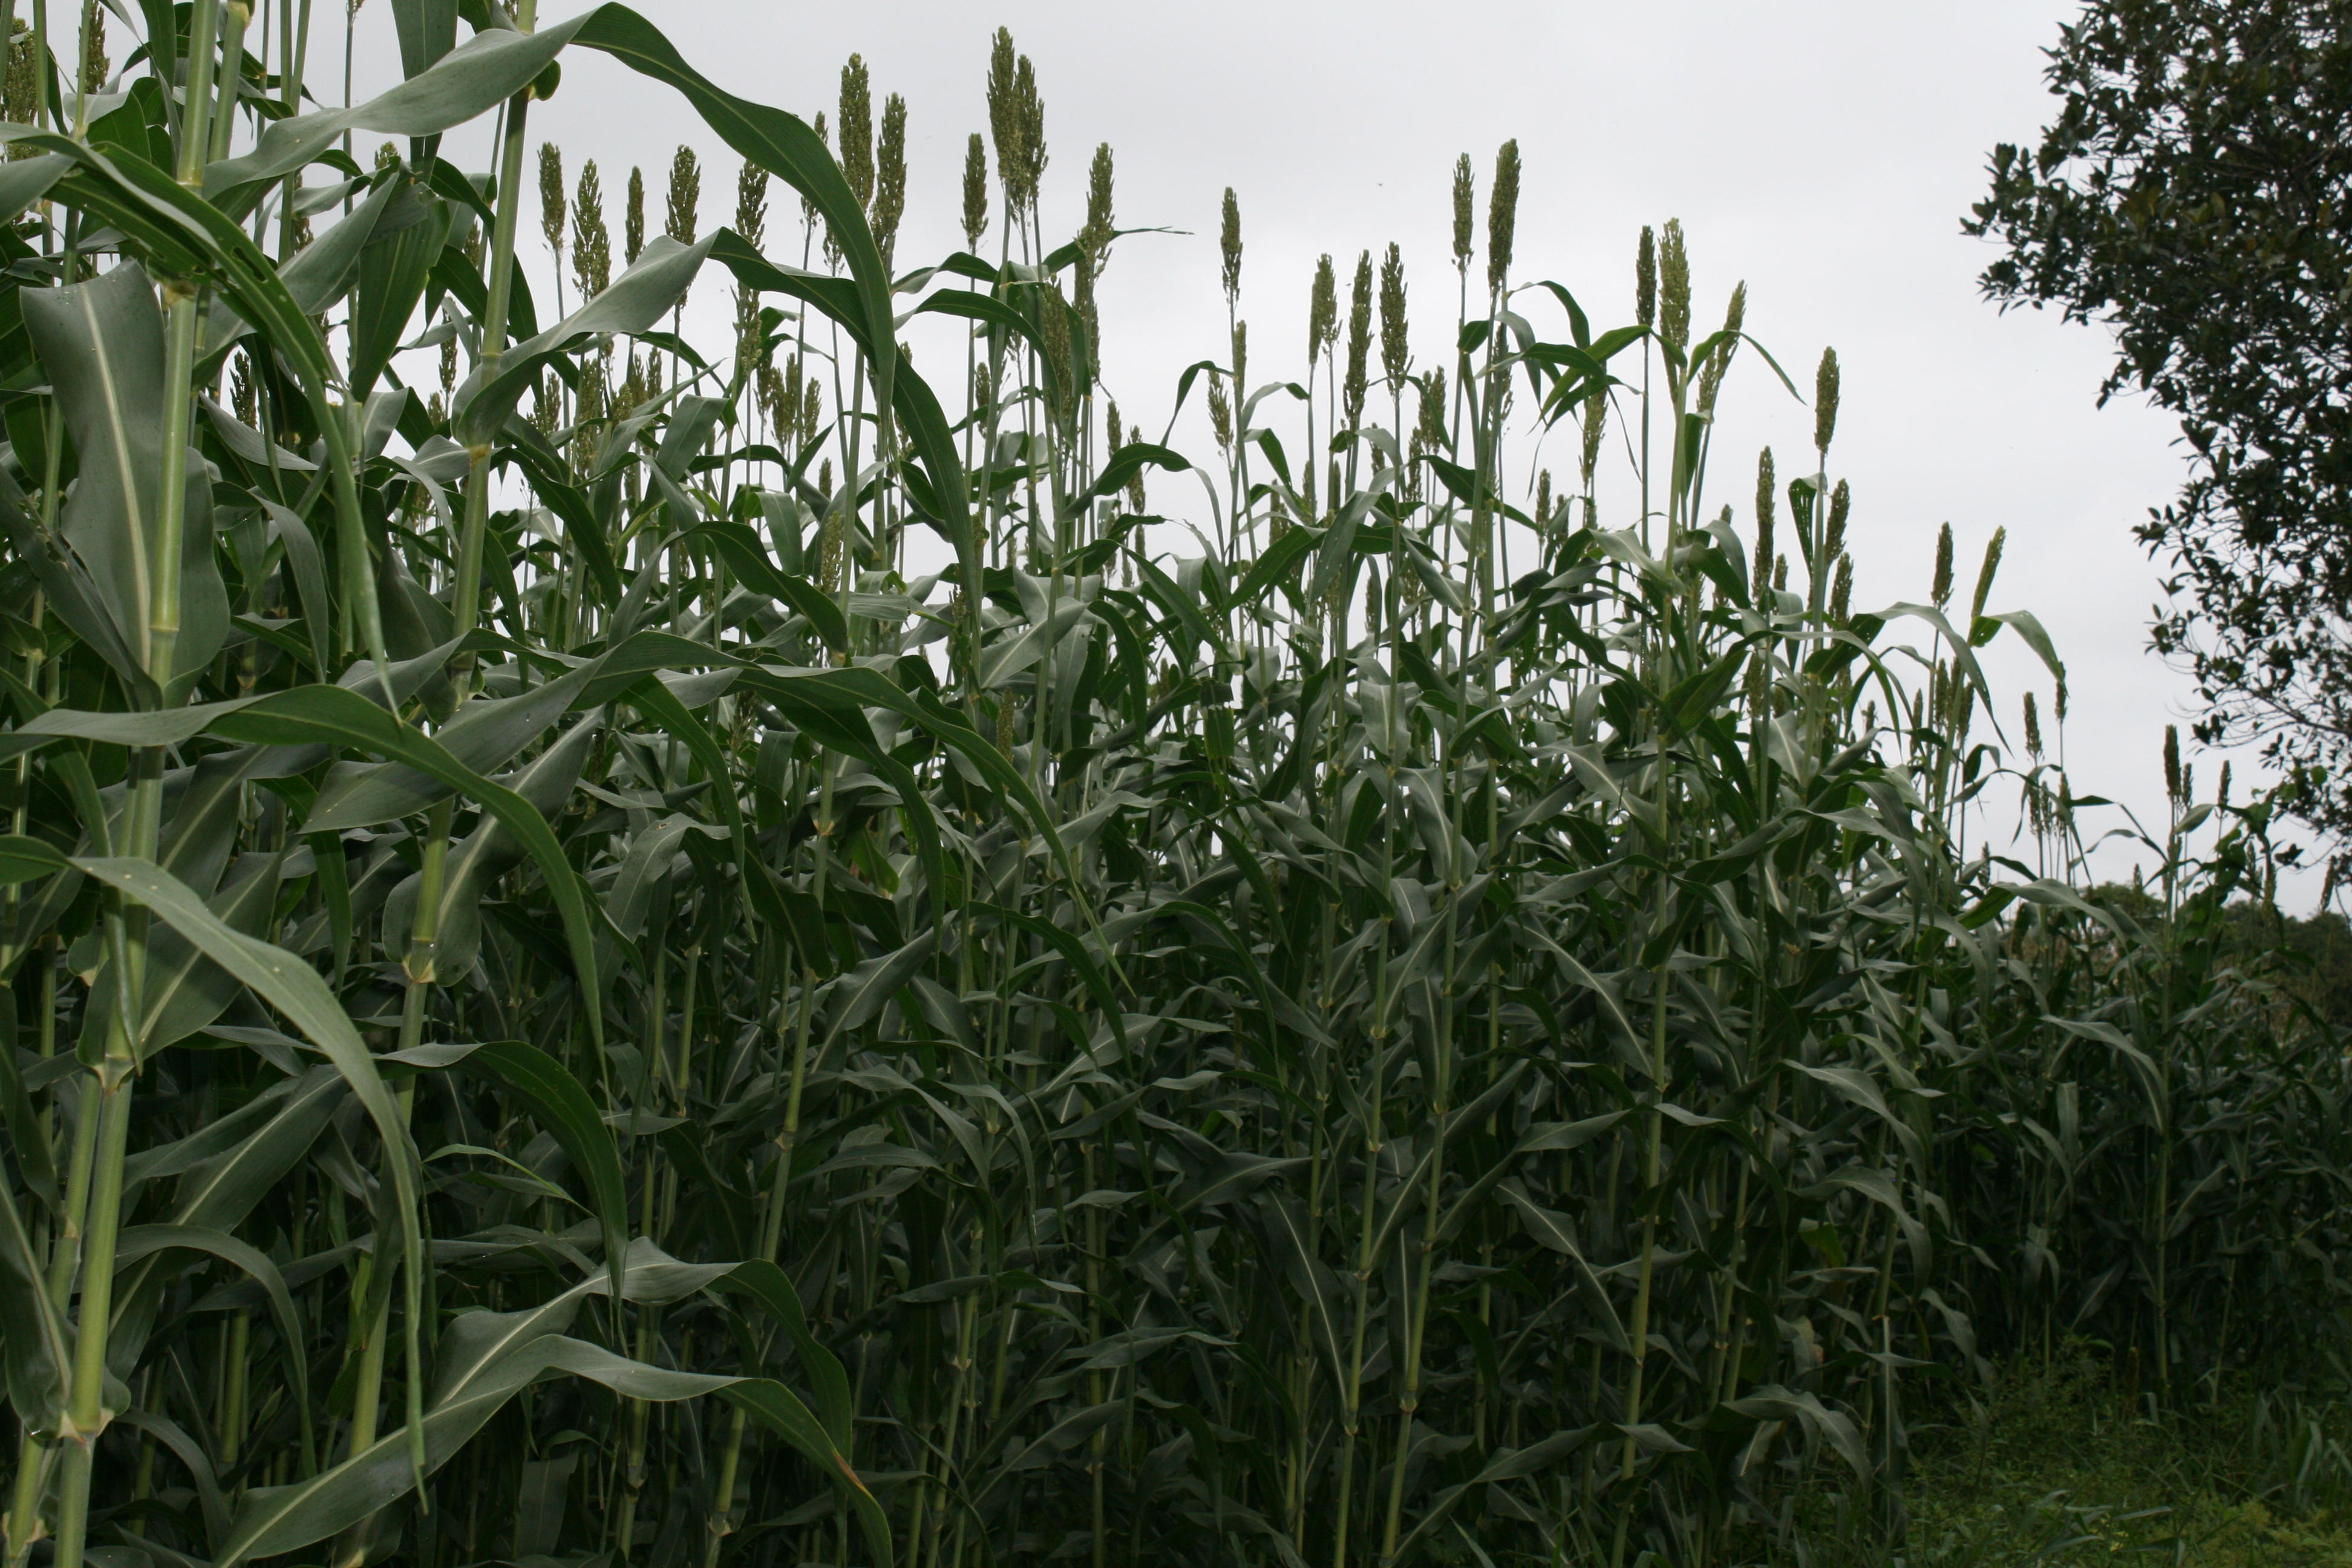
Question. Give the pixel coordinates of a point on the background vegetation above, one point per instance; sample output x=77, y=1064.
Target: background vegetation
x=581, y=992
x=2188, y=191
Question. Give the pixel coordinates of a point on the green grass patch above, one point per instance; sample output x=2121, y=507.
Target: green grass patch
x=2069, y=1463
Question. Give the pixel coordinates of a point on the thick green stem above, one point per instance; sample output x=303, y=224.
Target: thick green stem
x=467, y=600
x=86, y=1414
x=232, y=72
x=294, y=44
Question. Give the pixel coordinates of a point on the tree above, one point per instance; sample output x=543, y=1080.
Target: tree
x=2194, y=194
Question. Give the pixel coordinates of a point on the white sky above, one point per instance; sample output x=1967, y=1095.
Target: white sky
x=1822, y=150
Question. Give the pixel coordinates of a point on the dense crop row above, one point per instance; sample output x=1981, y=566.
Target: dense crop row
x=570, y=1003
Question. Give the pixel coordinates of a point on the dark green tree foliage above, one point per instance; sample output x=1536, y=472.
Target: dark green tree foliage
x=2192, y=193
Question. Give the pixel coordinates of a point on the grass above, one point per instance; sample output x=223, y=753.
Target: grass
x=2067, y=1464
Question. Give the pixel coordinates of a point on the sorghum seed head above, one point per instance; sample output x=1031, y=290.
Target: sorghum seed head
x=1674, y=286
x=1943, y=584
x=1985, y=573
x=244, y=401
x=1840, y=503
x=1359, y=338
x=890, y=178
x=1645, y=279
x=1033, y=130
x=94, y=65
x=633, y=229
x=1711, y=379
x=1087, y=317
x=856, y=131
x=685, y=195
x=751, y=204
x=1322, y=310
x=808, y=208
x=771, y=394
x=1229, y=242
x=23, y=85
x=1465, y=206
x=1502, y=216
x=975, y=192
x=1825, y=400
x=1396, y=346
x=1429, y=435
x=1004, y=110
x=685, y=198
x=1097, y=235
x=550, y=196
x=592, y=242
x=1054, y=320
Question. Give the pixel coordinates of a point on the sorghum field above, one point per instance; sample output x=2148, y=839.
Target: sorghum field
x=625, y=951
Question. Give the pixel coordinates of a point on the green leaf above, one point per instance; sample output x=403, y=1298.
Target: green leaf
x=189, y=1452
x=321, y=273
x=767, y=1284
x=184, y=235
x=138, y=1241
x=1550, y=1230
x=337, y=716
x=34, y=1341
x=866, y=990
x=277, y=1520
x=102, y=344
x=486, y=733
x=24, y=859
x=1320, y=1294
x=25, y=1133
x=568, y=1114
x=428, y=30
x=946, y=509
x=406, y=241
x=183, y=990
x=470, y=80
x=24, y=181
x=748, y=559
x=491, y=849
x=294, y=989
x=637, y=299
x=219, y=1191
x=1774, y=1403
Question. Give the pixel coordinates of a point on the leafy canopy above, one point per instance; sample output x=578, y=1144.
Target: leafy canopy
x=2192, y=193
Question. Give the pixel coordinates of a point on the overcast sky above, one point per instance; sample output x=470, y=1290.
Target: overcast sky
x=1823, y=152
